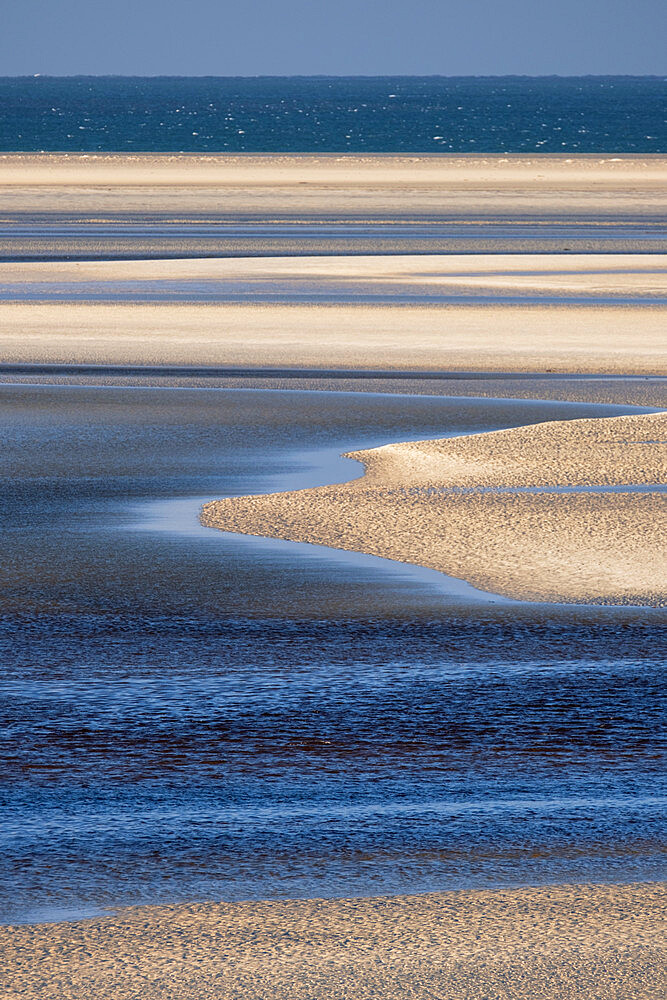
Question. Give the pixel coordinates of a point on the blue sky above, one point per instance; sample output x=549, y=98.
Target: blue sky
x=339, y=37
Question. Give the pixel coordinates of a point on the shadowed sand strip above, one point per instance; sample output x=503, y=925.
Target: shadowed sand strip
x=592, y=942
x=441, y=504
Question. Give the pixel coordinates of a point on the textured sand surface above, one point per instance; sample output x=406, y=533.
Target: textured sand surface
x=351, y=185
x=448, y=505
x=506, y=338
x=576, y=942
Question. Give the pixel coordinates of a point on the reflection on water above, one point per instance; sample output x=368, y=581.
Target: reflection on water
x=189, y=714
x=181, y=517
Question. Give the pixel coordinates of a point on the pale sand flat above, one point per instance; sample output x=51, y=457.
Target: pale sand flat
x=579, y=339
x=427, y=503
x=580, y=942
x=547, y=274
x=352, y=185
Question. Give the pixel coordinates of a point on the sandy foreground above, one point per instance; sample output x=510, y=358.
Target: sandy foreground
x=457, y=505
x=589, y=942
x=618, y=339
x=354, y=186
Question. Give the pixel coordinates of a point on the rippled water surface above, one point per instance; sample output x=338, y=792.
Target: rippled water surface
x=189, y=714
x=334, y=114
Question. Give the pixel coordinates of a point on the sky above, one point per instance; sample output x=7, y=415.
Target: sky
x=332, y=37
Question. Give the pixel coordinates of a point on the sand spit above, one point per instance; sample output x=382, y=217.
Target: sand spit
x=276, y=186
x=448, y=505
x=617, y=339
x=577, y=942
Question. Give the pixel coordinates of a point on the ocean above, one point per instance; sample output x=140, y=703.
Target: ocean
x=333, y=114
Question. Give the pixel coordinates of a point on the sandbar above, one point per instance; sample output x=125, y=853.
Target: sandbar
x=618, y=339
x=487, y=508
x=354, y=186
x=614, y=275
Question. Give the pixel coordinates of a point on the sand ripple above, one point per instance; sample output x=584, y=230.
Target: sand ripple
x=592, y=942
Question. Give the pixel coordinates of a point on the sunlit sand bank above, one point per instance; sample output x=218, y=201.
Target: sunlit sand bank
x=458, y=505
x=613, y=275
x=334, y=185
x=480, y=338
x=577, y=942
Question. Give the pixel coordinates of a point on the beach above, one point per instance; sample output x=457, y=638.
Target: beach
x=368, y=303
x=557, y=339
x=588, y=942
x=451, y=363
x=332, y=186
x=496, y=263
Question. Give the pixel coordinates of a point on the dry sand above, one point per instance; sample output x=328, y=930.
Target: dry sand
x=486, y=338
x=581, y=338
x=576, y=942
x=443, y=504
x=614, y=275
x=329, y=186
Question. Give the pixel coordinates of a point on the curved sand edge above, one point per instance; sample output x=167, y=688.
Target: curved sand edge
x=576, y=941
x=443, y=504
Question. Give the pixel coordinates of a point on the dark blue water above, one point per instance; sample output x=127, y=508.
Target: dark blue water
x=187, y=714
x=335, y=114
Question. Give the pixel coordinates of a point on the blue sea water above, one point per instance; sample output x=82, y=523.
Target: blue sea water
x=334, y=114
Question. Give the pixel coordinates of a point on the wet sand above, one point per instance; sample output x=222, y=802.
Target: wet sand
x=586, y=941
x=599, y=280
x=643, y=390
x=475, y=507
